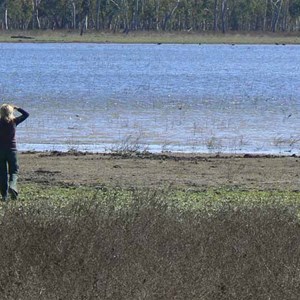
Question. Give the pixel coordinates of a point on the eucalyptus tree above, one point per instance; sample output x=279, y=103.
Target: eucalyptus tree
x=4, y=12
x=216, y=11
x=35, y=14
x=54, y=14
x=294, y=12
x=276, y=10
x=97, y=11
x=246, y=15
x=126, y=15
x=85, y=8
x=223, y=14
x=20, y=14
x=294, y=8
x=168, y=10
x=16, y=14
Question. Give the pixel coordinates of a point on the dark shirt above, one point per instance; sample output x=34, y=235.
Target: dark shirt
x=8, y=131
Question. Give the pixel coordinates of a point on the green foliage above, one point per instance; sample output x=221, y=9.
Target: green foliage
x=166, y=15
x=60, y=197
x=294, y=9
x=20, y=11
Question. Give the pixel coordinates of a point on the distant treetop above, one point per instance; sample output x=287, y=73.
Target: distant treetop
x=157, y=15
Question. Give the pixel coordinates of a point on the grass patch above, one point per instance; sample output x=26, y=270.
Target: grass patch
x=182, y=200
x=110, y=243
x=64, y=36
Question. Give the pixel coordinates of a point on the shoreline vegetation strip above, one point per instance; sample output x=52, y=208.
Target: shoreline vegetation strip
x=148, y=37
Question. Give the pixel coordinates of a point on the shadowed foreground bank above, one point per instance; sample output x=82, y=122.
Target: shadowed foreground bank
x=103, y=247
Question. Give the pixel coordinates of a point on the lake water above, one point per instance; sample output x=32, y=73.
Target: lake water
x=188, y=98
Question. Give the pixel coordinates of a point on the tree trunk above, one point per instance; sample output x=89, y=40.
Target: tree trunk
x=98, y=15
x=224, y=12
x=169, y=15
x=135, y=21
x=74, y=14
x=277, y=9
x=216, y=16
x=5, y=19
x=265, y=16
x=285, y=16
x=157, y=14
x=35, y=15
x=85, y=14
x=83, y=26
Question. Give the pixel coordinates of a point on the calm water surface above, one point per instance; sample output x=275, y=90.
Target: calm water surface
x=195, y=98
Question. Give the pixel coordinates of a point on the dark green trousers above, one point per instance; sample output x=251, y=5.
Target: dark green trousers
x=9, y=170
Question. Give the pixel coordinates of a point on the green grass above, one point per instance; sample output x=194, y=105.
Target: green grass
x=60, y=196
x=111, y=243
x=149, y=37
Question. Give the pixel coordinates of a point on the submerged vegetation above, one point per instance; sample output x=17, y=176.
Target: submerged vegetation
x=111, y=243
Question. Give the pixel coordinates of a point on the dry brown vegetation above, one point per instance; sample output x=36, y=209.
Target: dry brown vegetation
x=98, y=248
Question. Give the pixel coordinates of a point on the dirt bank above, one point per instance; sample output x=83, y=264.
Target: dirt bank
x=184, y=171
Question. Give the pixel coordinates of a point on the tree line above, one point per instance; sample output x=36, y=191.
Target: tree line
x=158, y=15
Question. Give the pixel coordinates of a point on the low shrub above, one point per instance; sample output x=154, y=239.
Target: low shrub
x=95, y=248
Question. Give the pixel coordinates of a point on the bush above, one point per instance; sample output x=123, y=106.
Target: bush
x=148, y=249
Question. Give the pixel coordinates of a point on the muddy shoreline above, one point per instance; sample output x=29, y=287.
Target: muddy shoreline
x=180, y=171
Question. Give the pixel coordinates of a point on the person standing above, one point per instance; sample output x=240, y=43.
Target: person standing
x=9, y=166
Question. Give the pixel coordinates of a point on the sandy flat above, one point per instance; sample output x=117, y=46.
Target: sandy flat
x=183, y=171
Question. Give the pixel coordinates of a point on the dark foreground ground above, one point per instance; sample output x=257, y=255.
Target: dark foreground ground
x=184, y=227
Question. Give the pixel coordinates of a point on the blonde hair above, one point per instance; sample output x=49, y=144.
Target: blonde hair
x=7, y=112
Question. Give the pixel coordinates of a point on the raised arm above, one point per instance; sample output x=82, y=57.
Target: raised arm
x=23, y=117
